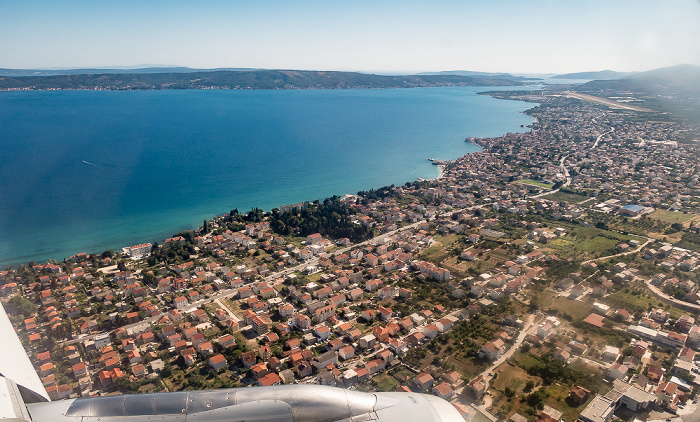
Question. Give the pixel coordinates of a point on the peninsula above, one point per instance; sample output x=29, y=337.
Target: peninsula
x=246, y=79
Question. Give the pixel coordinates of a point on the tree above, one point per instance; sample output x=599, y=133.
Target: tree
x=167, y=371
x=536, y=399
x=20, y=306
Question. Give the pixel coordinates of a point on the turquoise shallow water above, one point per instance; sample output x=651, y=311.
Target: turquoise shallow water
x=83, y=171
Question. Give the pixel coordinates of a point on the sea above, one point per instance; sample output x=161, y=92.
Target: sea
x=86, y=171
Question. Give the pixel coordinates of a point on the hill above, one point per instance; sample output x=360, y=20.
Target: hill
x=108, y=70
x=600, y=75
x=481, y=75
x=674, y=90
x=253, y=79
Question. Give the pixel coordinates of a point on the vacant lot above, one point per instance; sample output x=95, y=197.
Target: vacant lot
x=587, y=242
x=386, y=382
x=557, y=398
x=554, y=395
x=468, y=368
x=577, y=309
x=211, y=307
x=461, y=267
x=513, y=377
x=672, y=217
x=535, y=183
x=638, y=301
x=565, y=196
x=439, y=251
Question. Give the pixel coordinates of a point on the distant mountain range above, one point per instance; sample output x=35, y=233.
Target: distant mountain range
x=600, y=75
x=184, y=78
x=113, y=70
x=681, y=79
x=481, y=75
x=673, y=89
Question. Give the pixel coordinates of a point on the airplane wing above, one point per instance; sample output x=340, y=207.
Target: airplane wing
x=283, y=403
x=15, y=364
x=24, y=399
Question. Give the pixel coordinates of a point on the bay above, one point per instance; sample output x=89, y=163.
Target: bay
x=84, y=171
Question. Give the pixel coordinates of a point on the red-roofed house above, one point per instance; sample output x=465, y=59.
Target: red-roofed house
x=217, y=362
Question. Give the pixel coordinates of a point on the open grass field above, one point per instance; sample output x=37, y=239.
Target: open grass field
x=461, y=267
x=534, y=183
x=364, y=327
x=673, y=217
x=385, y=382
x=148, y=388
x=211, y=307
x=638, y=302
x=498, y=256
x=577, y=309
x=571, y=198
x=514, y=377
x=234, y=306
x=468, y=368
x=438, y=252
x=587, y=242
x=402, y=375
x=524, y=360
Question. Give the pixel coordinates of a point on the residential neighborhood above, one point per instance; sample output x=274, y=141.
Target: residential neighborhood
x=551, y=276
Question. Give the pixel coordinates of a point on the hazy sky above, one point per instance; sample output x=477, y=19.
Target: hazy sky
x=536, y=36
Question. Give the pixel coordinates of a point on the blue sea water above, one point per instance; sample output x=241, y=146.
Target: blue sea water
x=84, y=171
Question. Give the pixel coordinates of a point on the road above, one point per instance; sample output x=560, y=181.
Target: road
x=531, y=328
x=228, y=311
x=595, y=144
x=565, y=170
x=488, y=372
x=672, y=300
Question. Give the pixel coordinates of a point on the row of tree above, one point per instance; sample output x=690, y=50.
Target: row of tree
x=330, y=218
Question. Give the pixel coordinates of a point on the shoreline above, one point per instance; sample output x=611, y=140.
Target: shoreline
x=442, y=167
x=443, y=170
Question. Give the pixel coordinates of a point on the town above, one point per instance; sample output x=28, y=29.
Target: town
x=552, y=276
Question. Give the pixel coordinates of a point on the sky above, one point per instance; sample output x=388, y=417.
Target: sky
x=383, y=36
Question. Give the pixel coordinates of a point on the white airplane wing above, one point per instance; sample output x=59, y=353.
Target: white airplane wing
x=14, y=362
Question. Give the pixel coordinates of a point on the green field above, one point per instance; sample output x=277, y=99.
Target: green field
x=385, y=382
x=638, y=301
x=535, y=183
x=438, y=251
x=671, y=217
x=565, y=196
x=587, y=241
x=577, y=309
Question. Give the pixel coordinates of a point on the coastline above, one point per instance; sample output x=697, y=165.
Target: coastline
x=443, y=171
x=442, y=168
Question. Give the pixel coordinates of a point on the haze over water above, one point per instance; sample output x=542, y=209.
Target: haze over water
x=84, y=171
